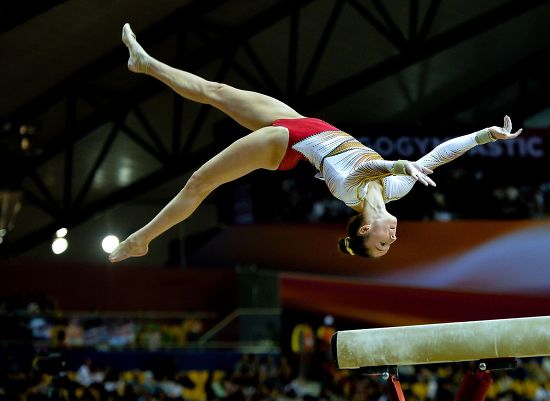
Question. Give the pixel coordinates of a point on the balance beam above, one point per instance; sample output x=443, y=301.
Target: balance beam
x=442, y=343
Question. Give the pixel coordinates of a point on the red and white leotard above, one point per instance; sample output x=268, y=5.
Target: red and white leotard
x=347, y=166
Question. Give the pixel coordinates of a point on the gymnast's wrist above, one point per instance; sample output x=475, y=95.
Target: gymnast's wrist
x=484, y=136
x=399, y=167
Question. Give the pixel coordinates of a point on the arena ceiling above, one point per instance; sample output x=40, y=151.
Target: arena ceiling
x=94, y=148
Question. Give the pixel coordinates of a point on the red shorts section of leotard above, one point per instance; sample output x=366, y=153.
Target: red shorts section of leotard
x=299, y=129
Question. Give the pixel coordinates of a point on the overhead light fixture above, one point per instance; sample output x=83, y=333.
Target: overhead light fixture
x=109, y=243
x=59, y=245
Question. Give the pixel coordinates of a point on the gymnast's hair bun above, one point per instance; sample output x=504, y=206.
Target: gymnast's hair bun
x=342, y=246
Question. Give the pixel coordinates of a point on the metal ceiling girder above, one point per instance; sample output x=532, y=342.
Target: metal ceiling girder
x=152, y=134
x=186, y=14
x=428, y=20
x=376, y=24
x=320, y=49
x=271, y=85
x=69, y=137
x=90, y=123
x=17, y=13
x=420, y=51
x=69, y=153
x=292, y=55
x=40, y=203
x=99, y=160
x=136, y=138
x=391, y=25
x=49, y=204
x=413, y=19
x=523, y=69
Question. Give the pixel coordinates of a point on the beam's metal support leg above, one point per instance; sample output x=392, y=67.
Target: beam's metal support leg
x=475, y=386
x=393, y=387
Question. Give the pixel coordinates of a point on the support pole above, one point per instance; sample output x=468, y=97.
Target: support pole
x=393, y=387
x=475, y=386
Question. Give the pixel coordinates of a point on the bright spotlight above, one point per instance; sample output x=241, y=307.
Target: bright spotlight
x=61, y=232
x=59, y=245
x=109, y=243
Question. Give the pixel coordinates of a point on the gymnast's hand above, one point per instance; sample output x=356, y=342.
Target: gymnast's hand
x=419, y=172
x=504, y=132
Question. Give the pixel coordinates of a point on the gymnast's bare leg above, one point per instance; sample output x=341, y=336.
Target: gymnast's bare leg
x=263, y=148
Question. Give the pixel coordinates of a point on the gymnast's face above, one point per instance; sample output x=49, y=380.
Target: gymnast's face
x=380, y=234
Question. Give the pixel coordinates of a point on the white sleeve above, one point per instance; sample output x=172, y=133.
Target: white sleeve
x=396, y=187
x=448, y=151
x=374, y=168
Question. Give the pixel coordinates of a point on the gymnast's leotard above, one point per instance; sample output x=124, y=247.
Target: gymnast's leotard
x=347, y=166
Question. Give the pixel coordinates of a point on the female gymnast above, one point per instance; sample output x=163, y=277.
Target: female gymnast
x=281, y=137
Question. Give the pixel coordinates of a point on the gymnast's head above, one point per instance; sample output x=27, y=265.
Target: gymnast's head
x=370, y=239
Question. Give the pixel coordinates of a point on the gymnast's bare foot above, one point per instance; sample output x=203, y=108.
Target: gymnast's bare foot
x=139, y=59
x=128, y=248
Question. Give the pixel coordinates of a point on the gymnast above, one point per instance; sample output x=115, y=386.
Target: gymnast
x=280, y=138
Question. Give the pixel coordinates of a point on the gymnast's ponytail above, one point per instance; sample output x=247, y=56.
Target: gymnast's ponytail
x=354, y=244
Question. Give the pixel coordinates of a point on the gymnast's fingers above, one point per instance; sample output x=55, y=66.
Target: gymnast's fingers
x=421, y=168
x=516, y=134
x=507, y=124
x=421, y=178
x=426, y=170
x=430, y=181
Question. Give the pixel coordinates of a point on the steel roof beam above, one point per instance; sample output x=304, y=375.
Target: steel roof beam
x=418, y=52
x=186, y=15
x=526, y=68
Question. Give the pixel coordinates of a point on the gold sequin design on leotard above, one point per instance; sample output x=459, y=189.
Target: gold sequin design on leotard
x=316, y=147
x=366, y=169
x=362, y=170
x=343, y=147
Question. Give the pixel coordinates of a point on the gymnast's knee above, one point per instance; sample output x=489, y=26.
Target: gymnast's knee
x=197, y=186
x=215, y=92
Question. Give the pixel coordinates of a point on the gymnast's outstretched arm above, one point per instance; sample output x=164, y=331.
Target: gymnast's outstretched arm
x=396, y=187
x=453, y=148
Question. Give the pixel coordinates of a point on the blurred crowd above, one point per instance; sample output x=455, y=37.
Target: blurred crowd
x=267, y=378
x=37, y=319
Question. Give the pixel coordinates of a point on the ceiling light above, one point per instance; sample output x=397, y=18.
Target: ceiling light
x=109, y=243
x=59, y=245
x=61, y=232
